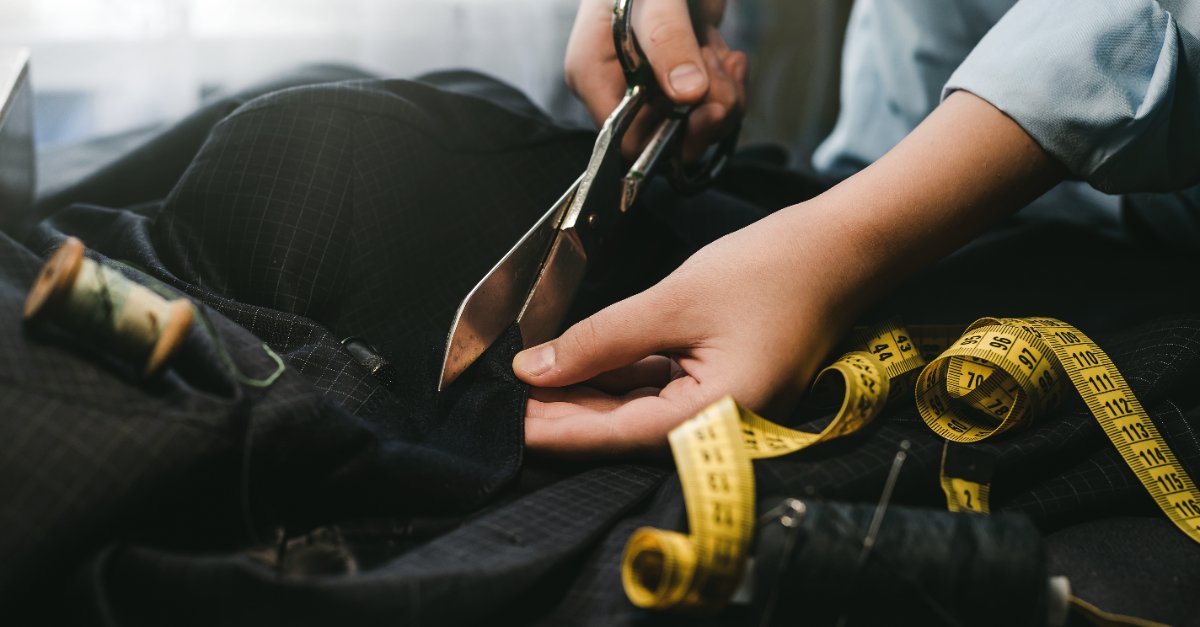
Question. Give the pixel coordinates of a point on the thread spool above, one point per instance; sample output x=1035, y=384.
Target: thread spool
x=926, y=567
x=102, y=307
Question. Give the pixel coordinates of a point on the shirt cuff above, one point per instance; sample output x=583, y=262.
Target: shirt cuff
x=1092, y=81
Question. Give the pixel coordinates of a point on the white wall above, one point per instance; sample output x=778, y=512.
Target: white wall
x=104, y=66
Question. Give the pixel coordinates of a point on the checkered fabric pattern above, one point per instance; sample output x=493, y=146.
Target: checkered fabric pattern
x=369, y=208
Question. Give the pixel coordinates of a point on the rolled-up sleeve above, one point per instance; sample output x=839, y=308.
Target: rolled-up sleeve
x=1111, y=88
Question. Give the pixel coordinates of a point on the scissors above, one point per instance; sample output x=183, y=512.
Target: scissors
x=535, y=282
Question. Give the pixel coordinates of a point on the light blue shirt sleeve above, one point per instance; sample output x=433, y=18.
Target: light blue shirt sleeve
x=1111, y=88
x=897, y=57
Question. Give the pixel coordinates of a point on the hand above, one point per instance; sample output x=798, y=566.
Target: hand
x=712, y=75
x=755, y=313
x=748, y=314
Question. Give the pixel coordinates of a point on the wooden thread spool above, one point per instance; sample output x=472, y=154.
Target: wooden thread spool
x=106, y=309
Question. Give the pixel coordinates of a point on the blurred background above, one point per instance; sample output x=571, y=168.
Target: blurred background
x=110, y=67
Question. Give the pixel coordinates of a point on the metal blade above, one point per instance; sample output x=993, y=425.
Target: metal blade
x=554, y=290
x=500, y=297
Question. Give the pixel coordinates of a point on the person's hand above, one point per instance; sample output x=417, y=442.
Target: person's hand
x=751, y=314
x=756, y=312
x=712, y=75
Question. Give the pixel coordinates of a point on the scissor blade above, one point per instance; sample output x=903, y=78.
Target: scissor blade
x=499, y=298
x=554, y=291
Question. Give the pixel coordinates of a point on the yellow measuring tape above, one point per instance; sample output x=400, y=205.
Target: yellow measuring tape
x=713, y=452
x=1005, y=371
x=999, y=374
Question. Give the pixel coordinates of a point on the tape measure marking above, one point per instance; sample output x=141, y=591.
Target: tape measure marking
x=1031, y=355
x=1126, y=423
x=713, y=453
x=966, y=475
x=996, y=376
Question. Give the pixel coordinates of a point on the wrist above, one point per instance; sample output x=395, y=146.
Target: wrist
x=966, y=167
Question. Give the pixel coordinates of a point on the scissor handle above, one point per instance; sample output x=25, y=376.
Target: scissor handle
x=687, y=179
x=629, y=53
x=690, y=179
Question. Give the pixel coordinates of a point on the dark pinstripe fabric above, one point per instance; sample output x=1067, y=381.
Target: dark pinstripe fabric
x=369, y=208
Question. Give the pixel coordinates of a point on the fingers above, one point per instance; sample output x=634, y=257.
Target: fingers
x=639, y=425
x=706, y=122
x=654, y=371
x=616, y=336
x=712, y=119
x=641, y=129
x=685, y=74
x=722, y=107
x=734, y=65
x=668, y=39
x=591, y=69
x=558, y=402
x=581, y=421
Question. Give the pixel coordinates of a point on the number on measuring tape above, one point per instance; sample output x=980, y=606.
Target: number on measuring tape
x=1031, y=353
x=969, y=386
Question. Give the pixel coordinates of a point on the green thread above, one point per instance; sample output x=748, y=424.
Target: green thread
x=166, y=291
x=223, y=353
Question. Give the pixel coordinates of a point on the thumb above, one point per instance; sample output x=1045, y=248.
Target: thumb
x=617, y=335
x=668, y=39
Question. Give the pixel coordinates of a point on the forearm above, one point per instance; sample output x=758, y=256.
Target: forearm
x=959, y=172
x=754, y=313
x=1111, y=89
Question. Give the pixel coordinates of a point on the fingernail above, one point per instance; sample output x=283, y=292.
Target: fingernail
x=686, y=78
x=535, y=361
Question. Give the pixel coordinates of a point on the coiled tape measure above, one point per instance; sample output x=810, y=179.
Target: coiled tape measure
x=998, y=374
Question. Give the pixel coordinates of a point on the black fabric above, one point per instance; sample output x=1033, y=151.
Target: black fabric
x=92, y=173
x=308, y=216
x=1111, y=558
x=368, y=209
